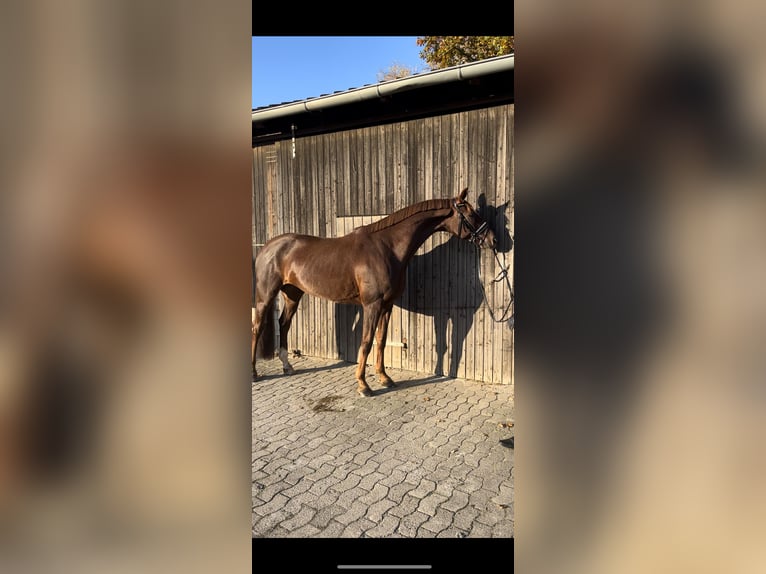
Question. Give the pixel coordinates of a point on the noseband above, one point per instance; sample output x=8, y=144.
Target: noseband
x=478, y=234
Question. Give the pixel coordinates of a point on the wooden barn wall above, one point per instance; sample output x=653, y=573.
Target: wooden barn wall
x=341, y=180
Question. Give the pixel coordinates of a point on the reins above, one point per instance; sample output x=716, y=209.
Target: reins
x=477, y=237
x=500, y=276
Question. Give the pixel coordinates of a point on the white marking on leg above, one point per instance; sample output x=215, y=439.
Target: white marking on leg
x=286, y=366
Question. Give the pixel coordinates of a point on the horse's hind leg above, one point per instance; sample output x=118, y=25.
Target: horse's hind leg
x=371, y=316
x=292, y=296
x=267, y=287
x=256, y=335
x=262, y=319
x=380, y=338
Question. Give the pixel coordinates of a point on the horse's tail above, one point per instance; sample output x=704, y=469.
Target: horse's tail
x=267, y=343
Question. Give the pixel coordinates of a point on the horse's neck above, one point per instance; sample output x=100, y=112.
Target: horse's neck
x=406, y=237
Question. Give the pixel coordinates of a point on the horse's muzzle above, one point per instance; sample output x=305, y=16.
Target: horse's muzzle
x=485, y=240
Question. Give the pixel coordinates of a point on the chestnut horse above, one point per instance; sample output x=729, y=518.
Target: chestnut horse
x=366, y=267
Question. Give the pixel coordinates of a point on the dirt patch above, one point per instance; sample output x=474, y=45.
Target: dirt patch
x=327, y=404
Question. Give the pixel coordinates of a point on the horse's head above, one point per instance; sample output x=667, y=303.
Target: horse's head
x=466, y=223
x=497, y=216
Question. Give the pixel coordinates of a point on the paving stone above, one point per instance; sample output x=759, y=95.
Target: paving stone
x=377, y=510
x=393, y=465
x=408, y=525
x=384, y=529
x=325, y=515
x=425, y=488
x=429, y=504
x=457, y=501
x=357, y=529
x=397, y=492
x=355, y=512
x=408, y=505
x=439, y=522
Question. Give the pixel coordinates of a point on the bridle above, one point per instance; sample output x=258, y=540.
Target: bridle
x=477, y=234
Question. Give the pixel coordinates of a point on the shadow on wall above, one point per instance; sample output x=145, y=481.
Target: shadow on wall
x=457, y=303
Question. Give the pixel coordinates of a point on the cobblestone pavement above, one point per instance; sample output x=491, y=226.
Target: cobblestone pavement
x=421, y=460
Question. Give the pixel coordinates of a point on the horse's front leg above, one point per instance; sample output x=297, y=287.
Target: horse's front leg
x=372, y=313
x=380, y=366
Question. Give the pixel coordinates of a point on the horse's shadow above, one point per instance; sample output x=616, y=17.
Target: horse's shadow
x=457, y=304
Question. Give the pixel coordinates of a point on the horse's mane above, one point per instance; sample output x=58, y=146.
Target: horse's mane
x=402, y=214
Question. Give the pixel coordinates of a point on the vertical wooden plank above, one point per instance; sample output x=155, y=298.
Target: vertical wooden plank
x=315, y=166
x=446, y=185
x=284, y=215
x=375, y=152
x=325, y=192
x=312, y=163
x=334, y=199
x=483, y=341
x=344, y=171
x=498, y=143
x=440, y=273
x=409, y=158
x=257, y=181
x=320, y=165
x=353, y=151
x=326, y=195
x=273, y=191
x=369, y=171
x=415, y=144
x=382, y=155
x=298, y=218
x=370, y=163
x=365, y=191
x=457, y=332
x=259, y=195
x=389, y=159
x=407, y=161
x=436, y=277
x=293, y=221
x=400, y=171
x=418, y=142
x=470, y=255
x=510, y=186
x=353, y=186
x=458, y=322
x=477, y=170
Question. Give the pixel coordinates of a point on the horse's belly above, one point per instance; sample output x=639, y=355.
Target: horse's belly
x=325, y=284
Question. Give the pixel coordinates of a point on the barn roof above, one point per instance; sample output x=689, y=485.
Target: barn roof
x=476, y=84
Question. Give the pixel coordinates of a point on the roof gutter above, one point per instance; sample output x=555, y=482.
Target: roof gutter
x=383, y=89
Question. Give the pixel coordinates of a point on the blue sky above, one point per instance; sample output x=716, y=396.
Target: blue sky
x=296, y=68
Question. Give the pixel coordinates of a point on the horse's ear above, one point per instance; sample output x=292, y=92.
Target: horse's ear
x=462, y=195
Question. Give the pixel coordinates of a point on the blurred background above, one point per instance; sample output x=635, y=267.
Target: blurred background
x=641, y=287
x=125, y=286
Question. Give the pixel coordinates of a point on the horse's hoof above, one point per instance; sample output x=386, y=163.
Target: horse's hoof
x=255, y=376
x=364, y=392
x=288, y=371
x=388, y=383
